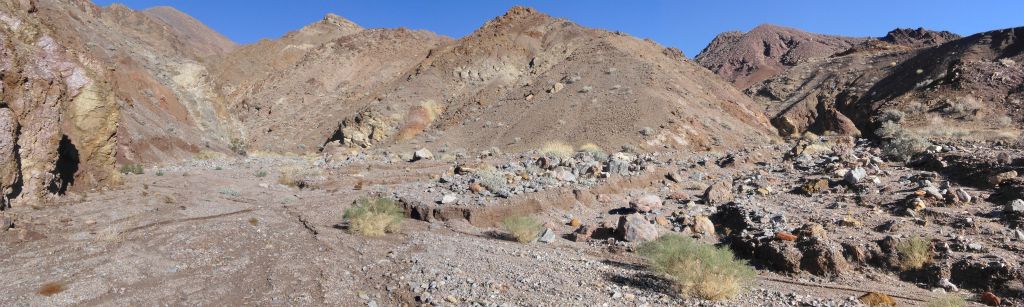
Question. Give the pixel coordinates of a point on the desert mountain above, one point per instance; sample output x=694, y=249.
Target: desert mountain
x=766, y=50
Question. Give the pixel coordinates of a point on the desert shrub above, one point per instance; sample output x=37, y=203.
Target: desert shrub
x=261, y=173
x=913, y=253
x=891, y=115
x=888, y=130
x=492, y=179
x=557, y=149
x=965, y=107
x=292, y=177
x=374, y=216
x=229, y=192
x=523, y=228
x=238, y=146
x=698, y=269
x=159, y=173
x=132, y=169
x=594, y=151
x=208, y=155
x=948, y=300
x=418, y=119
x=901, y=145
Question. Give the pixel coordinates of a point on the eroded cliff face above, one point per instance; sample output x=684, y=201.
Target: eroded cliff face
x=57, y=120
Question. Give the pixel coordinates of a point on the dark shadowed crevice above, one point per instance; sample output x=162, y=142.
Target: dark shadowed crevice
x=67, y=166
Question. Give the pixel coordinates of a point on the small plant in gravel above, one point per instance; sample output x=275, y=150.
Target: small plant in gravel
x=557, y=149
x=904, y=145
x=132, y=169
x=698, y=269
x=594, y=151
x=238, y=146
x=261, y=174
x=948, y=300
x=913, y=253
x=523, y=228
x=159, y=173
x=374, y=216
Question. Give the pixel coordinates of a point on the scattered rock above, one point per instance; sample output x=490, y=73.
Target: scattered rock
x=674, y=177
x=6, y=223
x=1015, y=207
x=575, y=222
x=815, y=186
x=785, y=236
x=475, y=188
x=583, y=233
x=636, y=228
x=1001, y=177
x=661, y=220
x=449, y=199
x=646, y=203
x=990, y=299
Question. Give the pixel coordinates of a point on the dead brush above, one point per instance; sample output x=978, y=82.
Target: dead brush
x=913, y=253
x=698, y=269
x=418, y=119
x=51, y=288
x=557, y=149
x=523, y=228
x=374, y=216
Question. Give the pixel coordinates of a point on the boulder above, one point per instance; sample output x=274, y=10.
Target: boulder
x=855, y=176
x=781, y=256
x=646, y=203
x=821, y=257
x=422, y=154
x=719, y=193
x=1015, y=207
x=998, y=178
x=703, y=225
x=547, y=236
x=636, y=228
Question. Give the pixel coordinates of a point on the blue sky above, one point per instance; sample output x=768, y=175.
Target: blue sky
x=687, y=25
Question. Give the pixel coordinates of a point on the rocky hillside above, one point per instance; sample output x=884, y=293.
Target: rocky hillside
x=967, y=88
x=749, y=58
x=90, y=88
x=525, y=78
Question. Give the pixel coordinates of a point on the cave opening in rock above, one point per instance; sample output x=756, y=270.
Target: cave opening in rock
x=66, y=167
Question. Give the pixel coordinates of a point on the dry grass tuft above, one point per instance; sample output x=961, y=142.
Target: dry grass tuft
x=948, y=300
x=51, y=288
x=557, y=149
x=524, y=229
x=698, y=269
x=254, y=221
x=913, y=253
x=132, y=169
x=419, y=118
x=594, y=151
x=374, y=216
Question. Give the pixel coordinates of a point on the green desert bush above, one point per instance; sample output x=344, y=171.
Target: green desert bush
x=913, y=253
x=374, y=216
x=698, y=269
x=523, y=228
x=948, y=300
x=594, y=151
x=132, y=169
x=903, y=145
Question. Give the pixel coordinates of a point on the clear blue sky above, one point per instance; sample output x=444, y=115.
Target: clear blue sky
x=687, y=25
